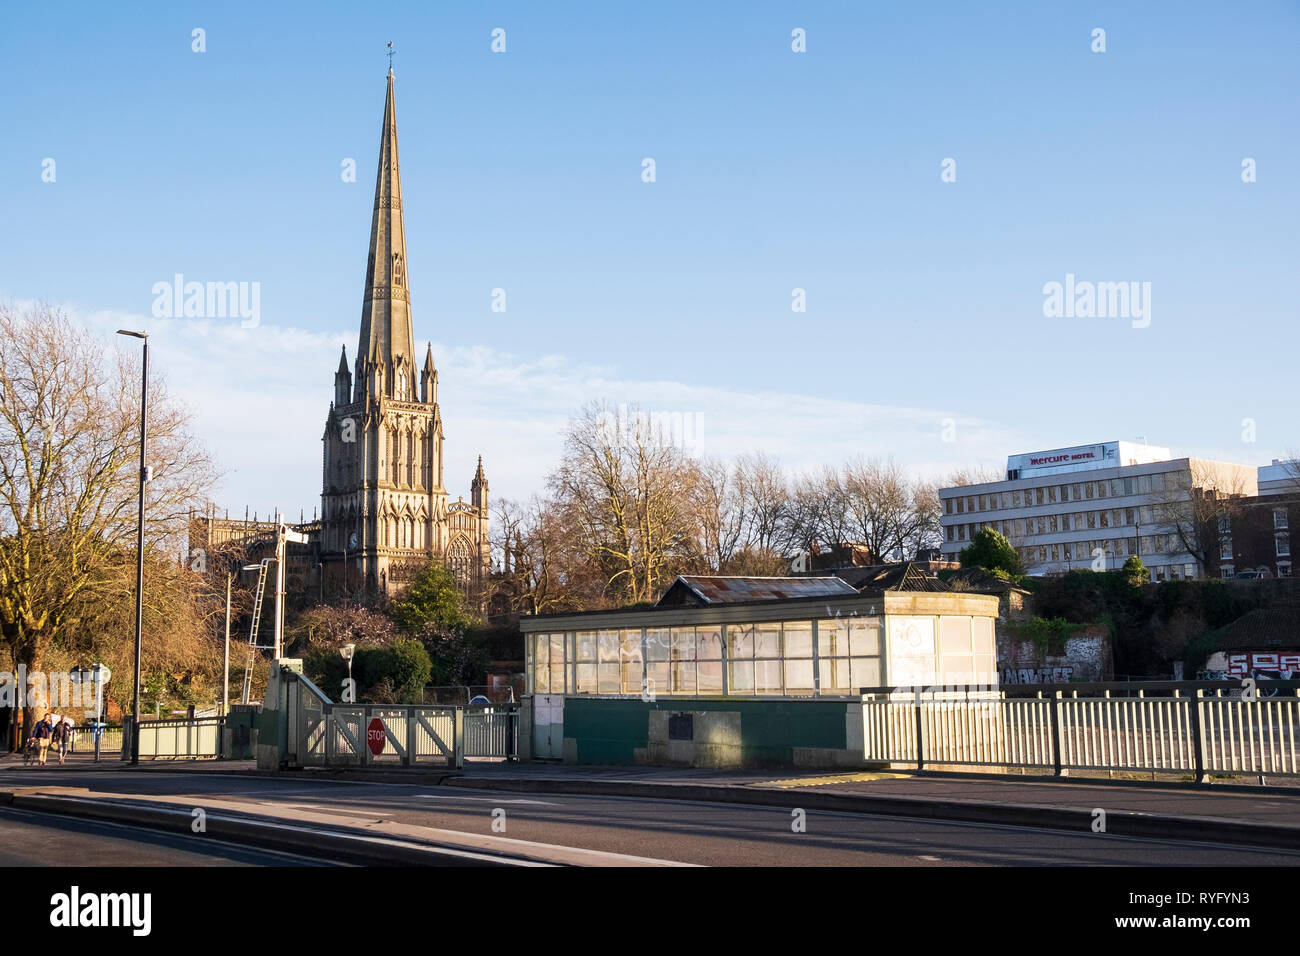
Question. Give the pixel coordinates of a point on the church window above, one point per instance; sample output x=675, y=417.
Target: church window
x=458, y=560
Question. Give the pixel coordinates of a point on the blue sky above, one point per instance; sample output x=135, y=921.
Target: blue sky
x=774, y=170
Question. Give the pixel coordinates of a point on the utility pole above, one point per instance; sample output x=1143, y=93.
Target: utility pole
x=282, y=537
x=225, y=681
x=139, y=545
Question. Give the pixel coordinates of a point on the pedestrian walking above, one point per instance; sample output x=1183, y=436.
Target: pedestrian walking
x=42, y=732
x=63, y=738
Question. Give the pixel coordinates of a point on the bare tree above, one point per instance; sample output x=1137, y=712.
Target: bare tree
x=722, y=513
x=763, y=484
x=977, y=475
x=1198, y=507
x=69, y=452
x=626, y=490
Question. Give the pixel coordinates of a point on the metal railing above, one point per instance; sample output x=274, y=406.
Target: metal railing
x=1192, y=727
x=83, y=741
x=181, y=738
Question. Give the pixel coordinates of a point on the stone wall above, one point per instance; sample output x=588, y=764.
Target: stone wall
x=1086, y=657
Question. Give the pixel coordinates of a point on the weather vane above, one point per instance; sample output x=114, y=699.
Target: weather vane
x=391, y=51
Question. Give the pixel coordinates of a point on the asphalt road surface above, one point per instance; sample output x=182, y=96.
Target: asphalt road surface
x=680, y=831
x=40, y=839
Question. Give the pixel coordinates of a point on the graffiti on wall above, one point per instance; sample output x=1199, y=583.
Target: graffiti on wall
x=1036, y=675
x=1283, y=666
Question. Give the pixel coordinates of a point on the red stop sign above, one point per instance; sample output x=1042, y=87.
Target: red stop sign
x=375, y=736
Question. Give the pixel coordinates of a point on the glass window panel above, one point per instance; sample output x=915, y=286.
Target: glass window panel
x=608, y=647
x=608, y=678
x=630, y=645
x=740, y=641
x=864, y=672
x=864, y=638
x=982, y=635
x=767, y=677
x=542, y=657
x=683, y=644
x=986, y=669
x=632, y=676
x=767, y=641
x=657, y=675
x=798, y=640
x=542, y=680
x=656, y=644
x=954, y=635
x=557, y=678
x=708, y=645
x=834, y=675
x=740, y=677
x=683, y=677
x=586, y=645
x=799, y=677
x=832, y=638
x=708, y=677
x=557, y=649
x=587, y=679
x=957, y=669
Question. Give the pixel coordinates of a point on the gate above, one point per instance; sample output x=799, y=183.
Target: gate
x=322, y=733
x=492, y=731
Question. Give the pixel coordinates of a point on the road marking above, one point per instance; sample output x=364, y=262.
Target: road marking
x=461, y=796
x=792, y=782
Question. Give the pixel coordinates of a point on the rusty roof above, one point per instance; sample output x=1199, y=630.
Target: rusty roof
x=714, y=589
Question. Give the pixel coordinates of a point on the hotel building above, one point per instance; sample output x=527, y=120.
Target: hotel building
x=1089, y=507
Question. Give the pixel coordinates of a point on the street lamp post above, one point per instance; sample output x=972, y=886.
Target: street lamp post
x=139, y=545
x=347, y=651
x=225, y=682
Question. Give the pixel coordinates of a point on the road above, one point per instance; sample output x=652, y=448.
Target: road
x=690, y=832
x=37, y=839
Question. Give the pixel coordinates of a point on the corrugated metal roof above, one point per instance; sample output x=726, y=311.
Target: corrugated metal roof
x=708, y=589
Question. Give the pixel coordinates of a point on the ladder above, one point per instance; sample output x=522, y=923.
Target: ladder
x=252, y=632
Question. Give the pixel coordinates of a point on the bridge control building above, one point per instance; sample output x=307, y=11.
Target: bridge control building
x=737, y=671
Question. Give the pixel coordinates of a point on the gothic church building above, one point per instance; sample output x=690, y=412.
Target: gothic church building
x=385, y=510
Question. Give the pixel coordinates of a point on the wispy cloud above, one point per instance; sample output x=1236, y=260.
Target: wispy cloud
x=260, y=396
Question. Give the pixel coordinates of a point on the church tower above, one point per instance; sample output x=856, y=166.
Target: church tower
x=385, y=510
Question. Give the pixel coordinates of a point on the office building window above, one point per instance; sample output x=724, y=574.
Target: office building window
x=1283, y=546
x=1279, y=519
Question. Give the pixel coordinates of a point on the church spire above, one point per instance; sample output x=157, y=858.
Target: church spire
x=343, y=381
x=478, y=488
x=386, y=333
x=429, y=378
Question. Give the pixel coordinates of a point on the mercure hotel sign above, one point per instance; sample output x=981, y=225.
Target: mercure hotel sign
x=1096, y=455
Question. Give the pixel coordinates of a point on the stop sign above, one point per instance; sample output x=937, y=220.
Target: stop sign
x=375, y=736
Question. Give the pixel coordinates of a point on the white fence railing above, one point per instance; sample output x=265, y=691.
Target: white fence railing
x=1191, y=727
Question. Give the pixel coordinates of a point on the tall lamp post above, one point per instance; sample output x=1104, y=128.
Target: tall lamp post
x=139, y=545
